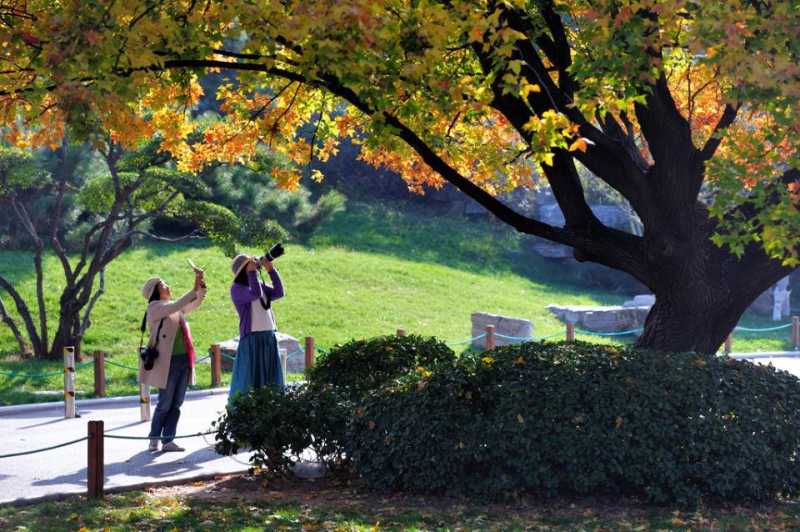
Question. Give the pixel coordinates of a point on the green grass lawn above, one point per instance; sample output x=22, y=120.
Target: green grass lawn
x=247, y=504
x=369, y=271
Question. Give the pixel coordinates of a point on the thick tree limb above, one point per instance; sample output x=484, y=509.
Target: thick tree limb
x=9, y=321
x=24, y=313
x=727, y=118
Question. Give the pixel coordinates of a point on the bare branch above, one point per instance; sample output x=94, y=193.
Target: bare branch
x=24, y=313
x=9, y=321
x=85, y=323
x=727, y=118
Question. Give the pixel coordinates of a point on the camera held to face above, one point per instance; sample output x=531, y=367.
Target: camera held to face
x=273, y=253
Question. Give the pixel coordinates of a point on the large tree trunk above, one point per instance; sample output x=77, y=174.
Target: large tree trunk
x=701, y=290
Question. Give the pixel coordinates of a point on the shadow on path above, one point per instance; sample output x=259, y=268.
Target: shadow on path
x=141, y=465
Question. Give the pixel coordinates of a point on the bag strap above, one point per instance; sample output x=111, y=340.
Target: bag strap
x=144, y=326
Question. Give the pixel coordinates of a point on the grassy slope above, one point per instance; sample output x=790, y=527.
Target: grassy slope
x=369, y=271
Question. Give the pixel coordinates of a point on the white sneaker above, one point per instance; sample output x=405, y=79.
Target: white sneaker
x=153, y=444
x=172, y=447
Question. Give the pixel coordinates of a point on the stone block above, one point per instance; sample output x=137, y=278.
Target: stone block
x=295, y=363
x=507, y=326
x=602, y=319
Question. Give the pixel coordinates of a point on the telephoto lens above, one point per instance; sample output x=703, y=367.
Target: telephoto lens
x=274, y=252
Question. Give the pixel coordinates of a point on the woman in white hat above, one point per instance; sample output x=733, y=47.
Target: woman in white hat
x=257, y=363
x=173, y=368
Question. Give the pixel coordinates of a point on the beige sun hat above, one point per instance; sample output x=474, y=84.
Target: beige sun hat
x=149, y=286
x=239, y=262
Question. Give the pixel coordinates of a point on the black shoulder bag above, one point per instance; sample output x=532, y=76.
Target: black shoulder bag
x=149, y=353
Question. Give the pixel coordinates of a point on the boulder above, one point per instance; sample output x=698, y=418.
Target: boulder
x=641, y=300
x=602, y=319
x=516, y=327
x=295, y=363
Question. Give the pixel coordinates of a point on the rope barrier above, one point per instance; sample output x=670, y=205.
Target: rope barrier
x=42, y=374
x=121, y=365
x=514, y=338
x=619, y=333
x=121, y=437
x=468, y=340
x=22, y=453
x=546, y=336
x=764, y=329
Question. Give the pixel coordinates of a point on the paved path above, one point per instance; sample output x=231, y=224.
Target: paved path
x=127, y=462
x=785, y=360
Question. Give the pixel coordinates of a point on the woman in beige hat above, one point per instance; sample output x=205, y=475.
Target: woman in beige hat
x=173, y=368
x=257, y=363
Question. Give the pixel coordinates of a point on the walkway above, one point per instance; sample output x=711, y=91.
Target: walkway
x=127, y=462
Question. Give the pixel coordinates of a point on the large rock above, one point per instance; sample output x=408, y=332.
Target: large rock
x=602, y=319
x=295, y=363
x=641, y=300
x=516, y=327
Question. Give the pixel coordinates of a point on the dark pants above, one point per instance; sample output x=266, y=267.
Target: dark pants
x=170, y=399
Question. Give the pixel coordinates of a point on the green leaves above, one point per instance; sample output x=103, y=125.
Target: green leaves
x=577, y=418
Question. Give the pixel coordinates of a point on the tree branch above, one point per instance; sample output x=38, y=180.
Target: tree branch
x=727, y=118
x=9, y=321
x=24, y=313
x=85, y=323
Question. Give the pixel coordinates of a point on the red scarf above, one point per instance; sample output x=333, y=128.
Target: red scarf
x=187, y=341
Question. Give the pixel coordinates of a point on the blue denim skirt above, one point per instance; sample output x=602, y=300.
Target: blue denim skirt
x=257, y=364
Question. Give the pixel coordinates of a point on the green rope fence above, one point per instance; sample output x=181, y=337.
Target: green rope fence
x=43, y=449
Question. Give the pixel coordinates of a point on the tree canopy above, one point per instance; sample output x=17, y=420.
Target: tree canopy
x=659, y=98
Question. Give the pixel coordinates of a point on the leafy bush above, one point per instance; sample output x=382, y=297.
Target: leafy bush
x=360, y=366
x=279, y=425
x=580, y=418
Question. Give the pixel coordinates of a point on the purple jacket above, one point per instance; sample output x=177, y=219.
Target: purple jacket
x=242, y=296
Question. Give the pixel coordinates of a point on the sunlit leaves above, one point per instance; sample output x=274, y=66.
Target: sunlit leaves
x=105, y=66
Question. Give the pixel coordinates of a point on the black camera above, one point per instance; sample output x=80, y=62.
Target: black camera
x=273, y=253
x=149, y=354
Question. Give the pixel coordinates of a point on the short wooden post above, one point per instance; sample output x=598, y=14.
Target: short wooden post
x=490, y=337
x=69, y=382
x=570, y=331
x=309, y=351
x=796, y=332
x=728, y=344
x=95, y=470
x=401, y=332
x=144, y=401
x=216, y=365
x=284, y=357
x=99, y=374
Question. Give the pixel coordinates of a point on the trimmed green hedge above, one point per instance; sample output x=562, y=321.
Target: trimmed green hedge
x=549, y=419
x=278, y=425
x=360, y=366
x=585, y=419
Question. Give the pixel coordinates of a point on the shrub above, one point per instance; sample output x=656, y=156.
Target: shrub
x=557, y=419
x=359, y=366
x=278, y=426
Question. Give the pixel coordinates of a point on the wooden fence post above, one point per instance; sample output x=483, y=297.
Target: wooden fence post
x=490, y=337
x=99, y=374
x=144, y=401
x=216, y=365
x=309, y=351
x=283, y=355
x=728, y=344
x=95, y=470
x=401, y=332
x=69, y=382
x=570, y=331
x=796, y=332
